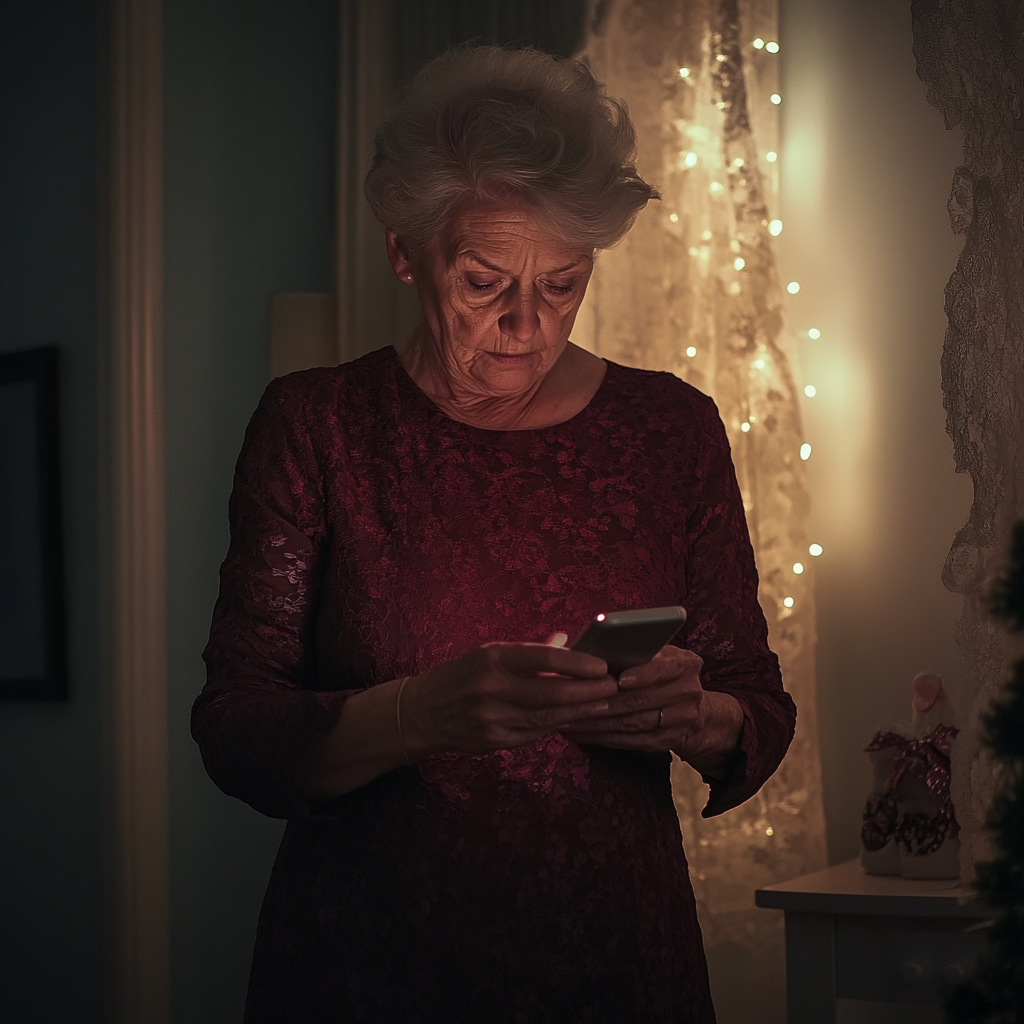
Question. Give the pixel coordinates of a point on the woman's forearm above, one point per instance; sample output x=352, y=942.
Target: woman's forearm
x=363, y=744
x=714, y=746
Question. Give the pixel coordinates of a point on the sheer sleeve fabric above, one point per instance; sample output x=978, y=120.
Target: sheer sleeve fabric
x=727, y=628
x=261, y=713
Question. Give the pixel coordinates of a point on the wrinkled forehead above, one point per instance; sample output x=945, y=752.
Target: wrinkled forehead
x=496, y=233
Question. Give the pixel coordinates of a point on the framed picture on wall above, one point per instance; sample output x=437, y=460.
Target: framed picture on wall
x=33, y=662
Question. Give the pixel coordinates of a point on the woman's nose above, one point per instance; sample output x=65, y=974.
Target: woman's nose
x=522, y=320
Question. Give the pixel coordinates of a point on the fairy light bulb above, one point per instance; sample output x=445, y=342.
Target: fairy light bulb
x=758, y=43
x=691, y=351
x=814, y=334
x=739, y=263
x=816, y=550
x=684, y=72
x=771, y=46
x=771, y=156
x=775, y=228
x=810, y=391
x=716, y=186
x=745, y=427
x=759, y=364
x=690, y=160
x=674, y=217
x=775, y=98
x=798, y=568
x=805, y=451
x=788, y=602
x=793, y=287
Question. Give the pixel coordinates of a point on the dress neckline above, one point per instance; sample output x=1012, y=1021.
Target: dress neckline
x=406, y=381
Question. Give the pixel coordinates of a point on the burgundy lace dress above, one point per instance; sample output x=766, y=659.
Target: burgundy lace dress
x=373, y=537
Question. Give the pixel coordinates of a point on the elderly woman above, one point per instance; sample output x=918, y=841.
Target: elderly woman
x=480, y=823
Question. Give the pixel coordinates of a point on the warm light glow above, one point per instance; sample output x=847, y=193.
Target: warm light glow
x=739, y=263
x=775, y=228
x=717, y=186
x=772, y=46
x=769, y=831
x=674, y=217
x=690, y=160
x=788, y=602
x=758, y=43
x=814, y=334
x=691, y=351
x=793, y=287
x=798, y=567
x=745, y=427
x=759, y=364
x=776, y=98
x=684, y=72
x=810, y=391
x=815, y=549
x=738, y=163
x=805, y=451
x=771, y=156
x=706, y=236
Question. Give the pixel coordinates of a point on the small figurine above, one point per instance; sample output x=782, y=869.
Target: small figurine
x=909, y=827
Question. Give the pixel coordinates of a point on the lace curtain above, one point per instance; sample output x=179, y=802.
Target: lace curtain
x=969, y=54
x=695, y=289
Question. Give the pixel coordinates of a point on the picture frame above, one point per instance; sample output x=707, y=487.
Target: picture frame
x=33, y=649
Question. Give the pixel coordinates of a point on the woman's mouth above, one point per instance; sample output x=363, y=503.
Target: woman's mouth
x=507, y=359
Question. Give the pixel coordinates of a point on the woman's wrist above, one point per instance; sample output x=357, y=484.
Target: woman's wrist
x=718, y=740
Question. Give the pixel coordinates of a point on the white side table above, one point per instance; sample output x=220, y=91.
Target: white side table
x=855, y=936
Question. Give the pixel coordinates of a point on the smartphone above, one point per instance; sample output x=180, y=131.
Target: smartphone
x=625, y=639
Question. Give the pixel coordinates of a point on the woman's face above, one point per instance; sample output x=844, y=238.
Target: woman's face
x=500, y=294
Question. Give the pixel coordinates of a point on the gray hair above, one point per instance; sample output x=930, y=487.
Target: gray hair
x=490, y=123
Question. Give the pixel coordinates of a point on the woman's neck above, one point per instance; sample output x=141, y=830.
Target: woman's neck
x=562, y=393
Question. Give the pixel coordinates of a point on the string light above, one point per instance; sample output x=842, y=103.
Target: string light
x=771, y=156
x=775, y=98
x=689, y=159
x=769, y=831
x=805, y=451
x=759, y=364
x=810, y=391
x=758, y=43
x=739, y=263
x=775, y=228
x=814, y=334
x=788, y=602
x=706, y=236
x=738, y=163
x=816, y=550
x=684, y=72
x=674, y=217
x=691, y=351
x=717, y=186
x=793, y=287
x=745, y=427
x=772, y=47
x=798, y=568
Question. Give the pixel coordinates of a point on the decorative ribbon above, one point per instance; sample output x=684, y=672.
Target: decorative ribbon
x=927, y=758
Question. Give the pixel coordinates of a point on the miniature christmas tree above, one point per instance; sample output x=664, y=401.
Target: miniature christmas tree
x=996, y=995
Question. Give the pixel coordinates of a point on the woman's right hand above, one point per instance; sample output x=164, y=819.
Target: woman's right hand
x=500, y=696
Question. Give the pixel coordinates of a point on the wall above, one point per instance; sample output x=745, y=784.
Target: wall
x=52, y=882
x=250, y=87
x=866, y=166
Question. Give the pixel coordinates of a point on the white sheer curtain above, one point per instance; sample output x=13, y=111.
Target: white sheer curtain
x=695, y=289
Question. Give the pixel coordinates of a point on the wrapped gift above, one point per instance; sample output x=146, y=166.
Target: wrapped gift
x=909, y=827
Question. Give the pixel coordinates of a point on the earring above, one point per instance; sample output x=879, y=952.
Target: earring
x=408, y=277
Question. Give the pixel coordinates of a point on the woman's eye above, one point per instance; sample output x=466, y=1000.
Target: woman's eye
x=481, y=286
x=561, y=289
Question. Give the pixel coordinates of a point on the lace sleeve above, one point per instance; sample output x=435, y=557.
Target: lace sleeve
x=727, y=627
x=258, y=716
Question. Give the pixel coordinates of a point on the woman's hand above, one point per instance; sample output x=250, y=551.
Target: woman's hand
x=493, y=698
x=501, y=696
x=662, y=706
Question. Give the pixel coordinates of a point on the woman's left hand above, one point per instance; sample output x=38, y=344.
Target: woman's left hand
x=662, y=706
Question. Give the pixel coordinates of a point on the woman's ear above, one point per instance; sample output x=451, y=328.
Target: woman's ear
x=398, y=257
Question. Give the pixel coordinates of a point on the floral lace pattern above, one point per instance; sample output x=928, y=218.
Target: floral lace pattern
x=374, y=537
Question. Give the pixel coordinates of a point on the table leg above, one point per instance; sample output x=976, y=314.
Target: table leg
x=810, y=968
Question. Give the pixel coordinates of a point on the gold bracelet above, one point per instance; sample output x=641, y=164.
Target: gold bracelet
x=398, y=718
